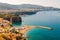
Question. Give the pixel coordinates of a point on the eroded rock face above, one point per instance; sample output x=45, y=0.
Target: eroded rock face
x=14, y=19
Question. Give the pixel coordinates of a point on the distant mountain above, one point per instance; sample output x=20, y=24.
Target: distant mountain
x=5, y=6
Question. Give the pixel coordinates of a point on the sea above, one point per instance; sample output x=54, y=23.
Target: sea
x=43, y=18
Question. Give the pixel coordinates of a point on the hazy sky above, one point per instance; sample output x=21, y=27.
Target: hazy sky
x=54, y=3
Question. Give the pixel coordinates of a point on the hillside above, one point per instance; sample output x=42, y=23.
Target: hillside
x=5, y=6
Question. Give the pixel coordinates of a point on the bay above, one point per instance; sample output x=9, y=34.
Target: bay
x=43, y=18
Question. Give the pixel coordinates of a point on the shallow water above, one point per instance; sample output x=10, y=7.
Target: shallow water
x=43, y=18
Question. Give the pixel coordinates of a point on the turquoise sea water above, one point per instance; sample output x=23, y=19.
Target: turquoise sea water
x=43, y=18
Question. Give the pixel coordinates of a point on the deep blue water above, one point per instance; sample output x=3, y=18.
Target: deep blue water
x=43, y=18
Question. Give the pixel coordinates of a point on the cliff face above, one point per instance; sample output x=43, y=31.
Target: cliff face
x=16, y=19
x=13, y=18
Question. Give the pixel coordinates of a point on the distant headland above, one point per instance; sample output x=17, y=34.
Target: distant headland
x=5, y=6
x=24, y=9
